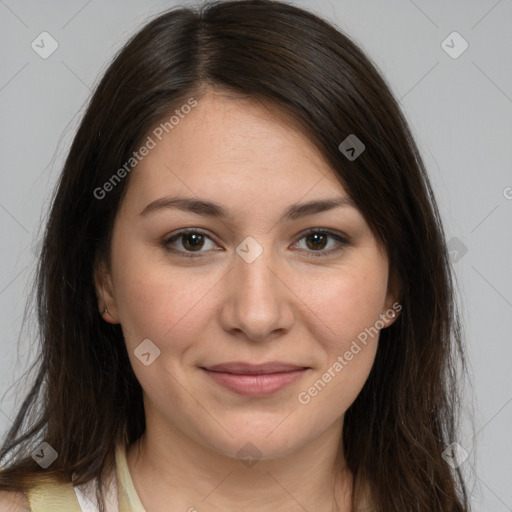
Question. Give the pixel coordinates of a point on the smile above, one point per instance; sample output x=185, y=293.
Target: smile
x=255, y=381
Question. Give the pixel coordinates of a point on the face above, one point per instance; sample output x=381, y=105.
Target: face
x=291, y=293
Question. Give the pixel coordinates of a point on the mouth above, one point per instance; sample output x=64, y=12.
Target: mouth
x=255, y=380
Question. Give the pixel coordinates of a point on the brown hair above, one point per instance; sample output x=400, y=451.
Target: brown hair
x=85, y=397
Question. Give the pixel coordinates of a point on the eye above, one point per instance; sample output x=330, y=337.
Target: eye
x=317, y=239
x=191, y=240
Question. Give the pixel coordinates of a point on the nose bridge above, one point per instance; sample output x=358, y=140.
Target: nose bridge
x=257, y=301
x=255, y=276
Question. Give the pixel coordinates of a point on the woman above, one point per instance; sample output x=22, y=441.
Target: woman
x=244, y=293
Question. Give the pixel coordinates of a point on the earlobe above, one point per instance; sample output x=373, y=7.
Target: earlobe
x=390, y=315
x=105, y=293
x=393, y=304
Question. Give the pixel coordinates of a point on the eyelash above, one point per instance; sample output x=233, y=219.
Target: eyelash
x=342, y=241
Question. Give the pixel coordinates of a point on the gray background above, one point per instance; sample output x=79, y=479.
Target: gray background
x=460, y=110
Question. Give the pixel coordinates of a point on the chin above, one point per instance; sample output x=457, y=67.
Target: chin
x=263, y=442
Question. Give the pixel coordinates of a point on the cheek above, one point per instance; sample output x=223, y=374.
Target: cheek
x=332, y=391
x=349, y=308
x=157, y=301
x=348, y=303
x=348, y=360
x=162, y=309
x=169, y=310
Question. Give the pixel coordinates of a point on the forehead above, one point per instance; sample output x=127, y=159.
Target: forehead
x=233, y=149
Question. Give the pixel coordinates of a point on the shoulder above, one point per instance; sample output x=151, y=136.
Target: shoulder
x=13, y=502
x=45, y=493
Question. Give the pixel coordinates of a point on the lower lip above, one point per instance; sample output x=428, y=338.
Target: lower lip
x=255, y=385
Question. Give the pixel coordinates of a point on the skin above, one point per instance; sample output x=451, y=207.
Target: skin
x=13, y=502
x=287, y=305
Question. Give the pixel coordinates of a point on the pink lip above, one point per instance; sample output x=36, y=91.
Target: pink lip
x=255, y=380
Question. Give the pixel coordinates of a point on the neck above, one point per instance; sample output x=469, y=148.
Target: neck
x=169, y=468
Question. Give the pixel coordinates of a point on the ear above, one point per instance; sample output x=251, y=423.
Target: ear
x=105, y=292
x=393, y=300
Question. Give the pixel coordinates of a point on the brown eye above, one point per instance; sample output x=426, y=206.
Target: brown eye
x=318, y=239
x=192, y=241
x=186, y=243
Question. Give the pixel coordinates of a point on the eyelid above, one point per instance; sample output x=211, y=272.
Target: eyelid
x=176, y=236
x=342, y=240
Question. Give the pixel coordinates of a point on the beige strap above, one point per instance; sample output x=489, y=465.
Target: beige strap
x=49, y=495
x=129, y=500
x=53, y=496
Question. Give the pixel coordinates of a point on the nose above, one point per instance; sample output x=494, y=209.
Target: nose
x=257, y=301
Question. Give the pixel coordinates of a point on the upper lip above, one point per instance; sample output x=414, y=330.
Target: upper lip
x=254, y=369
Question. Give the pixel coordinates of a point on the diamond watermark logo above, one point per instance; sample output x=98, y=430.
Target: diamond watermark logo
x=249, y=249
x=454, y=45
x=146, y=352
x=456, y=249
x=249, y=454
x=351, y=147
x=44, y=455
x=44, y=45
x=454, y=455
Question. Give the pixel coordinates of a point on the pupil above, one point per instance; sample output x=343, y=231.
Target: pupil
x=318, y=236
x=197, y=240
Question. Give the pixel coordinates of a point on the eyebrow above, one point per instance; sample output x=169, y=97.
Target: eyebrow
x=207, y=208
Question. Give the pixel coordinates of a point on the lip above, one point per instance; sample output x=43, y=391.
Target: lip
x=255, y=380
